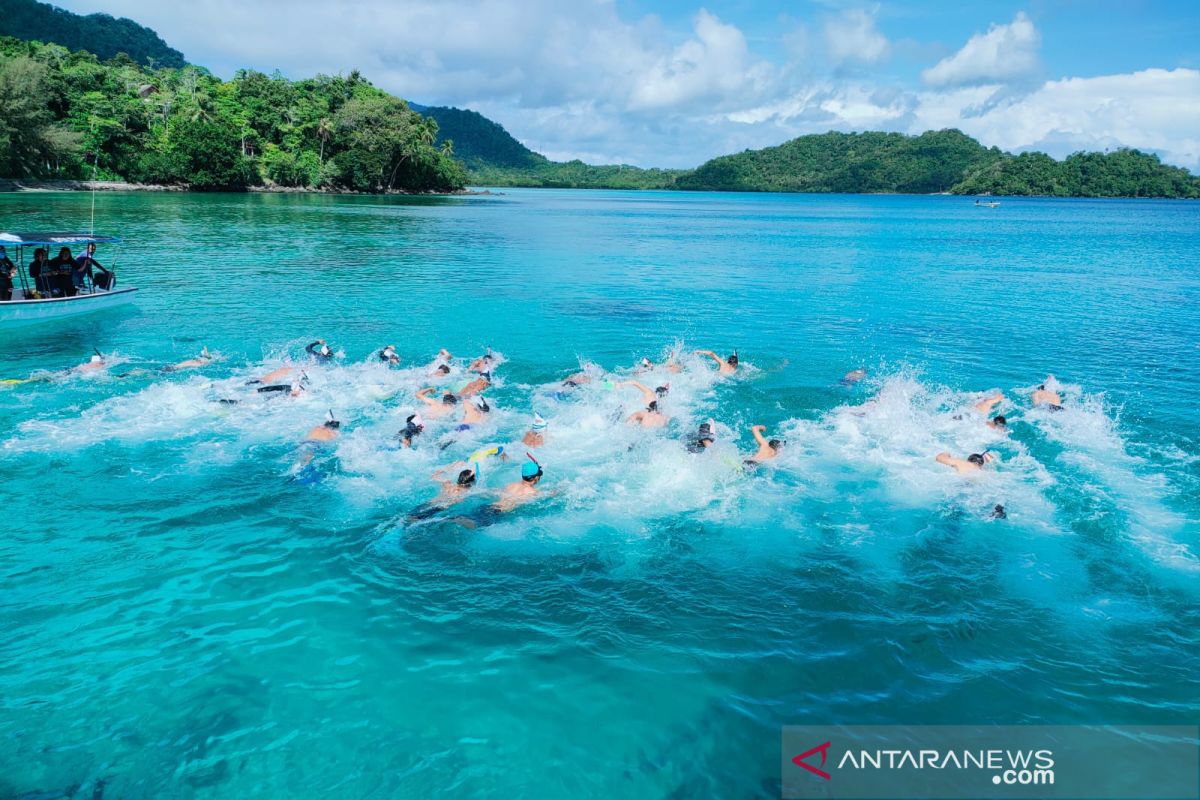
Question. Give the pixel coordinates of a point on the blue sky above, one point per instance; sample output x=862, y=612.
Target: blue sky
x=674, y=82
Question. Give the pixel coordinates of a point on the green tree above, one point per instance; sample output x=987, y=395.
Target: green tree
x=32, y=144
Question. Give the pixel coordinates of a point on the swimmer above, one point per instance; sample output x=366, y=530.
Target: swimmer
x=474, y=411
x=483, y=363
x=585, y=375
x=326, y=432
x=96, y=362
x=512, y=496
x=724, y=367
x=648, y=396
x=767, y=448
x=201, y=360
x=972, y=463
x=1047, y=397
x=852, y=377
x=999, y=423
x=273, y=376
x=388, y=356
x=320, y=435
x=320, y=351
x=651, y=417
x=413, y=427
x=536, y=435
x=294, y=389
x=444, y=356
x=706, y=437
x=986, y=405
x=440, y=371
x=476, y=386
x=450, y=492
x=437, y=408
x=998, y=512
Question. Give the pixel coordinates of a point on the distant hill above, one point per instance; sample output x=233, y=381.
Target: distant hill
x=495, y=158
x=479, y=141
x=1122, y=173
x=101, y=34
x=848, y=162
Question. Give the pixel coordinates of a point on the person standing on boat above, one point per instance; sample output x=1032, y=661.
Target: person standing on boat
x=8, y=271
x=83, y=267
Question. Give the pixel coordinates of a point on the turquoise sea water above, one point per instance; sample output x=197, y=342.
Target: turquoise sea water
x=182, y=618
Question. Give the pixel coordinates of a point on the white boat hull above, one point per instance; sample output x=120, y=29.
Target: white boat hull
x=16, y=312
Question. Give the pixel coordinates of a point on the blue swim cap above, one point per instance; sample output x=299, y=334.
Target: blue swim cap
x=530, y=469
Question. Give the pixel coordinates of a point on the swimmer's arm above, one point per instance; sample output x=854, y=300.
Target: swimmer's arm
x=757, y=430
x=950, y=461
x=988, y=403
x=423, y=396
x=647, y=395
x=711, y=355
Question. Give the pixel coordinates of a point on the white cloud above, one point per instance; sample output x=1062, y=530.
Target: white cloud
x=712, y=67
x=852, y=37
x=1003, y=53
x=1154, y=109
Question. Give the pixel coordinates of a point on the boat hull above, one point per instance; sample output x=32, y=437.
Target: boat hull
x=14, y=313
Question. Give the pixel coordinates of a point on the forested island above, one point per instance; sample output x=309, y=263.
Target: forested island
x=67, y=114
x=134, y=111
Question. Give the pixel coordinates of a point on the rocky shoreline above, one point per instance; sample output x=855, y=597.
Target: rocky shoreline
x=14, y=185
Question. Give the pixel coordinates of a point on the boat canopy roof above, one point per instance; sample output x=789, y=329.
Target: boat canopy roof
x=61, y=237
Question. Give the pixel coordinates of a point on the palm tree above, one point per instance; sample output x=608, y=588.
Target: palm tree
x=324, y=131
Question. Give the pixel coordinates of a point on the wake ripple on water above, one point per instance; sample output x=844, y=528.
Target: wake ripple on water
x=865, y=469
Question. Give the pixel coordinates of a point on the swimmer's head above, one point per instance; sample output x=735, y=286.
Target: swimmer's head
x=1041, y=387
x=653, y=407
x=999, y=421
x=976, y=459
x=776, y=444
x=414, y=423
x=96, y=359
x=444, y=369
x=661, y=391
x=331, y=422
x=449, y=399
x=482, y=404
x=466, y=477
x=531, y=470
x=999, y=513
x=733, y=359
x=207, y=356
x=646, y=363
x=325, y=350
x=487, y=376
x=539, y=423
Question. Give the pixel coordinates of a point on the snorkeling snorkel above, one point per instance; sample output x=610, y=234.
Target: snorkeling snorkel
x=331, y=421
x=531, y=471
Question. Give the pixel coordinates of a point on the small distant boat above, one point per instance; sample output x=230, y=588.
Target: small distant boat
x=987, y=203
x=53, y=295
